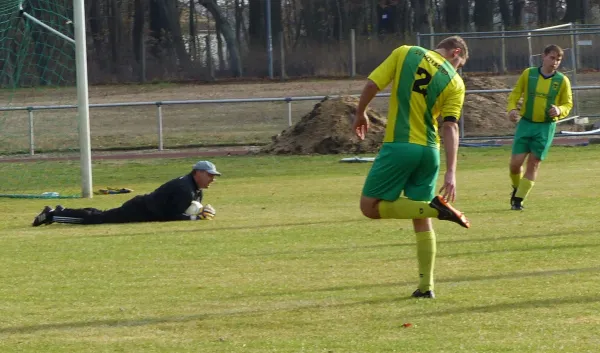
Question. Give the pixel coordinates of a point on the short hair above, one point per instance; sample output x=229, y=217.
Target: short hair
x=554, y=48
x=455, y=42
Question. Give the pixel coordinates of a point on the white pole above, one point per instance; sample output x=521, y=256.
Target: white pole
x=83, y=108
x=159, y=119
x=289, y=106
x=574, y=58
x=31, y=136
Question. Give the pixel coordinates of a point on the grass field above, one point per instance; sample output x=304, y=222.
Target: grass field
x=290, y=265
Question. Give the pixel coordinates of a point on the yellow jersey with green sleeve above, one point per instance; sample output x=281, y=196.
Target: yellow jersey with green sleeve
x=424, y=85
x=539, y=94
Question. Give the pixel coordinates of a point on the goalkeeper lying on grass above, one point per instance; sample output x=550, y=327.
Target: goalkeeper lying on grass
x=177, y=200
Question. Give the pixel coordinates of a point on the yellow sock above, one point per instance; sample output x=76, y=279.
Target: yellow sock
x=404, y=208
x=426, y=250
x=524, y=188
x=516, y=179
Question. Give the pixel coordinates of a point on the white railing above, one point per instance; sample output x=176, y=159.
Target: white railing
x=160, y=115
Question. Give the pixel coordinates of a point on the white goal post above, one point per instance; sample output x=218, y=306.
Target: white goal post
x=83, y=110
x=83, y=103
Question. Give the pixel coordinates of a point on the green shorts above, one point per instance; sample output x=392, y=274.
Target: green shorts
x=403, y=167
x=535, y=138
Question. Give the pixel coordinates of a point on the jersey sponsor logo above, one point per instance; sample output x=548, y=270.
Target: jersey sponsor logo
x=431, y=61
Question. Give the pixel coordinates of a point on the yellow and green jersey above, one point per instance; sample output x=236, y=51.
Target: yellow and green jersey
x=539, y=94
x=425, y=85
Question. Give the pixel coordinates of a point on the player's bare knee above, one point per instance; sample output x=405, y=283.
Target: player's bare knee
x=369, y=207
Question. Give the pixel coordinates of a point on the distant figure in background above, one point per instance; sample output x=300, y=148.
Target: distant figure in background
x=425, y=85
x=547, y=98
x=167, y=203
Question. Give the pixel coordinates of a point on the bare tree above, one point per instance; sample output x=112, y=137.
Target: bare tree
x=577, y=11
x=483, y=15
x=226, y=30
x=457, y=15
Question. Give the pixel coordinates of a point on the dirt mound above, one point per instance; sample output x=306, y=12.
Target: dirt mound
x=327, y=129
x=484, y=114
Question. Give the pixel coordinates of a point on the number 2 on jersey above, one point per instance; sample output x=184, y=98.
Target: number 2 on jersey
x=420, y=85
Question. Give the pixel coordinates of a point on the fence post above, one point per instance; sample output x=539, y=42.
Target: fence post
x=418, y=39
x=289, y=106
x=352, y=53
x=432, y=37
x=159, y=118
x=574, y=57
x=31, y=137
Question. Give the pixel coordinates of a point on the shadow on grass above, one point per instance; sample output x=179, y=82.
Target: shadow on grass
x=511, y=275
x=210, y=229
x=439, y=242
x=528, y=304
x=545, y=303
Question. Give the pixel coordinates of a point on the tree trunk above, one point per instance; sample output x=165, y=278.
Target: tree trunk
x=192, y=31
x=519, y=12
x=553, y=12
x=577, y=11
x=542, y=7
x=457, y=15
x=171, y=16
x=114, y=34
x=239, y=21
x=220, y=54
x=95, y=19
x=227, y=32
x=483, y=15
x=138, y=36
x=505, y=14
x=422, y=20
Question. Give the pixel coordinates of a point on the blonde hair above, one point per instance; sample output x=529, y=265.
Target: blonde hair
x=455, y=42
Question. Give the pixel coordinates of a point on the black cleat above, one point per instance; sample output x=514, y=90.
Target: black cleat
x=45, y=217
x=512, y=196
x=449, y=213
x=59, y=208
x=517, y=204
x=428, y=294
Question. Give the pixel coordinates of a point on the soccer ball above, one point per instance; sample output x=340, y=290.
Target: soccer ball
x=194, y=209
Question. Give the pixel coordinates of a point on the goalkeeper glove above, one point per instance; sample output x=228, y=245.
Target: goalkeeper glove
x=208, y=212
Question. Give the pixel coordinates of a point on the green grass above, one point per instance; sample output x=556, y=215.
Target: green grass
x=290, y=264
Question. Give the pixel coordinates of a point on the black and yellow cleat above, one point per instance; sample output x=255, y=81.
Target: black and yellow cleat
x=448, y=213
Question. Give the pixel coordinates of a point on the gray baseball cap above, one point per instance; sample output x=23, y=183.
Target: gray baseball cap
x=206, y=166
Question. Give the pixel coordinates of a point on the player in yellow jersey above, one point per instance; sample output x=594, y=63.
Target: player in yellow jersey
x=425, y=85
x=547, y=98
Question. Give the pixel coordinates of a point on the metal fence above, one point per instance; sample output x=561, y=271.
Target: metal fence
x=160, y=115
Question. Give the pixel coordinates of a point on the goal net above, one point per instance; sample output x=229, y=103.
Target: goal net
x=38, y=71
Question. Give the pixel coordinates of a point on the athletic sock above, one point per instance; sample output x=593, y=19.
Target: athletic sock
x=524, y=188
x=426, y=250
x=515, y=179
x=404, y=208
